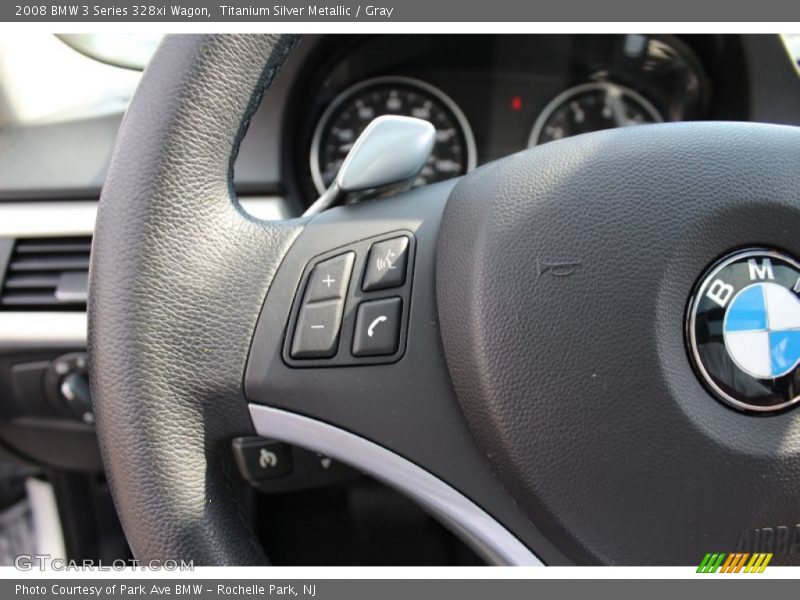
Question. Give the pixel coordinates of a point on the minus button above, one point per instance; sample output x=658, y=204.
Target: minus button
x=316, y=334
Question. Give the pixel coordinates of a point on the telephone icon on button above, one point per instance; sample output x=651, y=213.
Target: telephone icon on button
x=377, y=331
x=374, y=324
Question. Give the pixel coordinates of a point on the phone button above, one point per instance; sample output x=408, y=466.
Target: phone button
x=378, y=327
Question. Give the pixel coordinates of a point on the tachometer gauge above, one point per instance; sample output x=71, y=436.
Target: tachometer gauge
x=591, y=107
x=349, y=114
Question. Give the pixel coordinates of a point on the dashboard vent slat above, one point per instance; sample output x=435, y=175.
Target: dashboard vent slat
x=21, y=282
x=47, y=274
x=51, y=247
x=28, y=301
x=49, y=263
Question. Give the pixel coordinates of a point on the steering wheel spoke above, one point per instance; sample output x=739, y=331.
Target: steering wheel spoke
x=382, y=403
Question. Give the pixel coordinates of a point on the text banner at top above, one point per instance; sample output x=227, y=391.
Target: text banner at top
x=465, y=11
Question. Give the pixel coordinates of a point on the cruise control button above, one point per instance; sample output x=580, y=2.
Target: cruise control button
x=329, y=278
x=316, y=334
x=262, y=459
x=378, y=327
x=386, y=265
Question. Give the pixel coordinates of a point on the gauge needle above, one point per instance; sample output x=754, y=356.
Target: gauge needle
x=614, y=100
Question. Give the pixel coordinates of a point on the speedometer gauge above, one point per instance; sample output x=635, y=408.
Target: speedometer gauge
x=349, y=114
x=591, y=107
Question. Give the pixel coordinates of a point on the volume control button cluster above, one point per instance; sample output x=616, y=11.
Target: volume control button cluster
x=316, y=333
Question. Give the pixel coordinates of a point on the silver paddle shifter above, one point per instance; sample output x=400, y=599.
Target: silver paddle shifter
x=389, y=153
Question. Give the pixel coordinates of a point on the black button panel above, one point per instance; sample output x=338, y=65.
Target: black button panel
x=352, y=304
x=386, y=266
x=378, y=327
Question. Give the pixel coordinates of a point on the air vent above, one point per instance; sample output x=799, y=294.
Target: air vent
x=47, y=274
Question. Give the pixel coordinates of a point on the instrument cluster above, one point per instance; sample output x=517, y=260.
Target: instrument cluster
x=490, y=96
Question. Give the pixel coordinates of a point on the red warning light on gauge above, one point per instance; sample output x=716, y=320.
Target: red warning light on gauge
x=516, y=103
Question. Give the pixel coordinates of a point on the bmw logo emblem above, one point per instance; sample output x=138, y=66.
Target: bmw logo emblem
x=744, y=330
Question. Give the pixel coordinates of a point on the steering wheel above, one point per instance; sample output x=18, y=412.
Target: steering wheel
x=529, y=382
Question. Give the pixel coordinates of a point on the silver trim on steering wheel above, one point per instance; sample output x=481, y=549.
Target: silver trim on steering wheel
x=472, y=524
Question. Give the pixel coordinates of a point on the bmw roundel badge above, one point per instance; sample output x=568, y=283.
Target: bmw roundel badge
x=744, y=330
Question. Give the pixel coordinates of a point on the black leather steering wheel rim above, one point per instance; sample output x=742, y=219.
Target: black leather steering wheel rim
x=171, y=236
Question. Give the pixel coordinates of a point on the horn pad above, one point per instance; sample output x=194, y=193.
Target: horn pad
x=563, y=277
